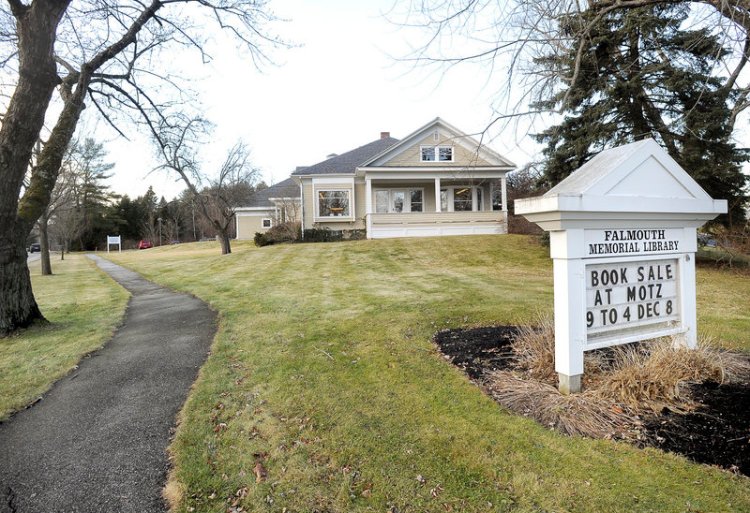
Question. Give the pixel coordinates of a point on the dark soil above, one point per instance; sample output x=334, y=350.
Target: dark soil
x=716, y=433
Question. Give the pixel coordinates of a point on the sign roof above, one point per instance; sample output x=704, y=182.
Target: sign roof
x=639, y=177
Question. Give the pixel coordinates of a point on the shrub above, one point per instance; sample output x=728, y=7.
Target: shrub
x=328, y=235
x=284, y=232
x=261, y=240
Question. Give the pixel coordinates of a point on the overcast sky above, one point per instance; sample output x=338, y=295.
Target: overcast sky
x=337, y=90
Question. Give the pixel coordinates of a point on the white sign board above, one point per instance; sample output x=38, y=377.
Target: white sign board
x=632, y=297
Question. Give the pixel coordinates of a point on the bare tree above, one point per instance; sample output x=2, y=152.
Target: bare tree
x=105, y=52
x=513, y=42
x=58, y=214
x=218, y=195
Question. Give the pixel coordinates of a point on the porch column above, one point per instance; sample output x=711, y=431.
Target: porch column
x=437, y=194
x=368, y=207
x=504, y=192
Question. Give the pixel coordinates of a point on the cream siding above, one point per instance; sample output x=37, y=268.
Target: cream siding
x=249, y=223
x=308, y=206
x=461, y=156
x=360, y=194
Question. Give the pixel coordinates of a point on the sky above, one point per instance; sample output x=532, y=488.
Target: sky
x=336, y=89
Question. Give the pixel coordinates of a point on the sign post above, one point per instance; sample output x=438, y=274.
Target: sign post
x=623, y=242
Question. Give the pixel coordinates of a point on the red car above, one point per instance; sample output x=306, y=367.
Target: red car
x=145, y=244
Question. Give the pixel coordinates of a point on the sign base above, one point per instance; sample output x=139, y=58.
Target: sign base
x=569, y=384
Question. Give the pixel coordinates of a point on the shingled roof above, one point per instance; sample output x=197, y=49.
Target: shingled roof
x=346, y=163
x=284, y=189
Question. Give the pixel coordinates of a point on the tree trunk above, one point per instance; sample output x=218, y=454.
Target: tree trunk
x=18, y=309
x=44, y=245
x=226, y=248
x=36, y=25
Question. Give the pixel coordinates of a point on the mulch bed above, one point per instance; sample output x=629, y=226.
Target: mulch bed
x=716, y=433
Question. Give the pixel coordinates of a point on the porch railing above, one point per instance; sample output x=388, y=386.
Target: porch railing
x=439, y=217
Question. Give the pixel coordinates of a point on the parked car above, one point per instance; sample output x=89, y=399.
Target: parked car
x=706, y=240
x=35, y=247
x=145, y=244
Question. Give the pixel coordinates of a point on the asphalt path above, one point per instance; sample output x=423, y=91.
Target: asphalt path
x=96, y=441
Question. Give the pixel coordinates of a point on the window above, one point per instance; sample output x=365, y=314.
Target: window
x=428, y=154
x=266, y=223
x=461, y=199
x=399, y=200
x=333, y=204
x=497, y=198
x=416, y=200
x=437, y=153
x=381, y=202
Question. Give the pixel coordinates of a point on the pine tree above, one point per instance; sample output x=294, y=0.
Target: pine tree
x=643, y=75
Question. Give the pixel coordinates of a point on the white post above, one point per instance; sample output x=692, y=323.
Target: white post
x=569, y=271
x=570, y=330
x=688, y=303
x=504, y=189
x=437, y=195
x=474, y=206
x=368, y=206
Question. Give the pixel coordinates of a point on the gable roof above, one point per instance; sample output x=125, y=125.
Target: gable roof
x=642, y=168
x=347, y=163
x=285, y=189
x=635, y=181
x=451, y=131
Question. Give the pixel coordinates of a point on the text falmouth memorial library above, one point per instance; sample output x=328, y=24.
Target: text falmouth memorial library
x=633, y=241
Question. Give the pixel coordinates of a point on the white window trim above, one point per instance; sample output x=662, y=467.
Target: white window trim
x=263, y=221
x=407, y=199
x=316, y=196
x=475, y=206
x=436, y=150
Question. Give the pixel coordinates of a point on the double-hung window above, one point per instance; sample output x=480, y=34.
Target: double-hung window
x=436, y=153
x=334, y=203
x=461, y=199
x=399, y=200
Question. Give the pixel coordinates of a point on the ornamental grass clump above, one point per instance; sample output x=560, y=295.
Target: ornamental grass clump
x=584, y=414
x=620, y=383
x=651, y=376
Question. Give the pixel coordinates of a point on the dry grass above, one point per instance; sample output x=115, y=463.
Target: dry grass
x=619, y=383
x=534, y=348
x=651, y=376
x=585, y=414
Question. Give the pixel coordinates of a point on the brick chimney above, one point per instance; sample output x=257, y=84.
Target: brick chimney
x=385, y=135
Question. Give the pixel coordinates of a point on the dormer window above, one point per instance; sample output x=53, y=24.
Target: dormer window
x=437, y=153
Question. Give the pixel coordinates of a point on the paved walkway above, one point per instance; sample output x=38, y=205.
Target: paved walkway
x=96, y=442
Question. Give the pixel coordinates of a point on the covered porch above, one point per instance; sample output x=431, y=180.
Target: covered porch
x=435, y=205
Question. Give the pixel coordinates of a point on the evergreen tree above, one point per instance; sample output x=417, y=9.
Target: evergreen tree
x=643, y=75
x=92, y=195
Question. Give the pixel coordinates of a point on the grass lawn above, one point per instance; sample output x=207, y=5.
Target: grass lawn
x=84, y=307
x=324, y=382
